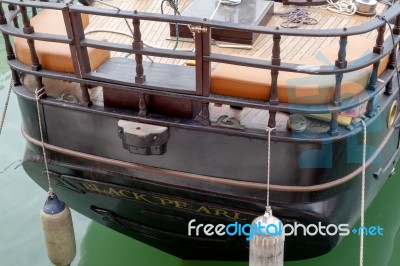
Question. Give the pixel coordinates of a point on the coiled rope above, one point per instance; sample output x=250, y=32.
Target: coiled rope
x=345, y=7
x=296, y=17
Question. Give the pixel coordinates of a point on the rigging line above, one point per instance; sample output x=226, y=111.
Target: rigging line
x=38, y=95
x=269, y=130
x=362, y=222
x=3, y=117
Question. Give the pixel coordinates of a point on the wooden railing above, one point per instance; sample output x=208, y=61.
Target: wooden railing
x=204, y=57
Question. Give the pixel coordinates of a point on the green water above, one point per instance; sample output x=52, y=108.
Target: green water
x=21, y=241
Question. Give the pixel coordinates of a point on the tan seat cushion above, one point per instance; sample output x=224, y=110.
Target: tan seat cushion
x=55, y=56
x=293, y=87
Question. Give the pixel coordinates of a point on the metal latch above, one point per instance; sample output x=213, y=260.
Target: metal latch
x=143, y=138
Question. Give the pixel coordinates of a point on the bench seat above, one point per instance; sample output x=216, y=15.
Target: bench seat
x=55, y=56
x=294, y=87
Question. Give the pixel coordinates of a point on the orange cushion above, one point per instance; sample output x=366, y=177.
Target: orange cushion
x=55, y=56
x=294, y=87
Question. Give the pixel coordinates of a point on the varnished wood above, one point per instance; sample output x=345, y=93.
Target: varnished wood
x=3, y=19
x=198, y=38
x=378, y=49
x=206, y=51
x=396, y=29
x=291, y=46
x=85, y=95
x=72, y=46
x=15, y=20
x=78, y=33
x=142, y=105
x=138, y=44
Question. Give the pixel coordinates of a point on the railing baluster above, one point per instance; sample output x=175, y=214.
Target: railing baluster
x=140, y=76
x=206, y=68
x=28, y=29
x=138, y=44
x=142, y=105
x=34, y=11
x=9, y=48
x=396, y=29
x=276, y=61
x=372, y=85
x=15, y=19
x=341, y=63
x=391, y=65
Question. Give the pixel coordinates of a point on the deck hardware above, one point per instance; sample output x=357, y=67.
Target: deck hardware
x=297, y=123
x=143, y=139
x=229, y=122
x=197, y=29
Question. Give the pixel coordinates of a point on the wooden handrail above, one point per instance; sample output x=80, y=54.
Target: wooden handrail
x=79, y=44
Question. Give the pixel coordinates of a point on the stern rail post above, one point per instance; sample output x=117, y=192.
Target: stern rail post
x=393, y=56
x=28, y=29
x=70, y=34
x=391, y=65
x=396, y=29
x=34, y=11
x=340, y=63
x=78, y=36
x=140, y=77
x=276, y=61
x=372, y=85
x=9, y=48
x=205, y=33
x=12, y=7
x=198, y=42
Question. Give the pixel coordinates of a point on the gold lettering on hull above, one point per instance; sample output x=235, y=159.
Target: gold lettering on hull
x=161, y=201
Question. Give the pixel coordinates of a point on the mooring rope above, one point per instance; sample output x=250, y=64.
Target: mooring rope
x=3, y=117
x=296, y=17
x=269, y=130
x=362, y=222
x=38, y=95
x=345, y=7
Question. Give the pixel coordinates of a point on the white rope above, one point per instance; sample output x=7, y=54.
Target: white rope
x=3, y=117
x=363, y=192
x=269, y=130
x=345, y=7
x=38, y=96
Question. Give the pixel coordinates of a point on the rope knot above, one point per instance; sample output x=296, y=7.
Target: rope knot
x=269, y=129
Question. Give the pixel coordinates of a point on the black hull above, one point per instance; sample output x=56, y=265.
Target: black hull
x=155, y=207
